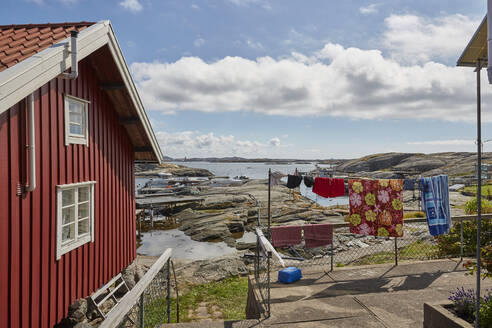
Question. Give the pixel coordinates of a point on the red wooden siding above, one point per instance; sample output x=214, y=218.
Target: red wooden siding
x=35, y=288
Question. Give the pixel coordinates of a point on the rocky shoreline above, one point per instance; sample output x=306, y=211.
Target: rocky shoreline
x=152, y=170
x=227, y=212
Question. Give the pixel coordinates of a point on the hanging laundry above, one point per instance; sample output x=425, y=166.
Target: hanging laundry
x=308, y=181
x=329, y=187
x=293, y=181
x=275, y=178
x=435, y=204
x=317, y=235
x=286, y=236
x=337, y=187
x=409, y=184
x=376, y=207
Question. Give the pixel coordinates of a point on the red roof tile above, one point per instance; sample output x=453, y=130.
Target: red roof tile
x=18, y=42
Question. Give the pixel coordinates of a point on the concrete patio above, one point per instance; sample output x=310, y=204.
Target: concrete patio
x=363, y=296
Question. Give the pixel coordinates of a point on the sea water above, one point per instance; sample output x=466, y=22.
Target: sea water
x=260, y=171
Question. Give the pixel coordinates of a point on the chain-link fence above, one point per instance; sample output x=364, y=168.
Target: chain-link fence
x=353, y=249
x=262, y=266
x=415, y=244
x=154, y=305
x=148, y=304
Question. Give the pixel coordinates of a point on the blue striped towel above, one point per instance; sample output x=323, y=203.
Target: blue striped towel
x=435, y=203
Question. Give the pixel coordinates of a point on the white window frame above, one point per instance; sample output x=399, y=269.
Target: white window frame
x=71, y=138
x=77, y=242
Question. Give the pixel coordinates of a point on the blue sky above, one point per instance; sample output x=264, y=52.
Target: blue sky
x=293, y=79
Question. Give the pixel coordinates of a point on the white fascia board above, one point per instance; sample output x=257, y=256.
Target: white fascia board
x=132, y=91
x=27, y=76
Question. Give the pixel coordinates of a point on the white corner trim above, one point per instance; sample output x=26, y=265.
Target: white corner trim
x=25, y=77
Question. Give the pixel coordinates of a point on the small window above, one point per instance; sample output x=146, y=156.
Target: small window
x=76, y=121
x=75, y=222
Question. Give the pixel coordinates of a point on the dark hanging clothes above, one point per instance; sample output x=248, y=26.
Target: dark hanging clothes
x=293, y=181
x=409, y=184
x=329, y=187
x=286, y=236
x=308, y=181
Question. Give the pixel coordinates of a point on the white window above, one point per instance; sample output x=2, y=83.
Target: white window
x=76, y=121
x=75, y=216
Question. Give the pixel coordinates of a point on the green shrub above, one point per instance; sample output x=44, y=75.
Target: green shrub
x=464, y=305
x=449, y=244
x=486, y=312
x=471, y=206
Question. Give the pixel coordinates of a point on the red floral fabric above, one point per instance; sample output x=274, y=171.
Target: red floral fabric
x=376, y=207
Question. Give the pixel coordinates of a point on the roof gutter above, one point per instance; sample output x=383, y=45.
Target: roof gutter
x=74, y=70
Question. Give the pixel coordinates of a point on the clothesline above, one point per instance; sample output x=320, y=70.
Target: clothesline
x=376, y=205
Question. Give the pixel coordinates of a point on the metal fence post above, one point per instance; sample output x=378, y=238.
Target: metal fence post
x=461, y=239
x=396, y=251
x=332, y=254
x=141, y=312
x=268, y=282
x=168, y=297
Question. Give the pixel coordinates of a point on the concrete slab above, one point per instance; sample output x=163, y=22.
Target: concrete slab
x=366, y=321
x=315, y=310
x=369, y=296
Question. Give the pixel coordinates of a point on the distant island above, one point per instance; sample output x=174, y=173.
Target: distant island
x=454, y=164
x=235, y=159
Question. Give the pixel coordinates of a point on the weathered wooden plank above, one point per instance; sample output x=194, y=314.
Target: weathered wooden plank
x=117, y=315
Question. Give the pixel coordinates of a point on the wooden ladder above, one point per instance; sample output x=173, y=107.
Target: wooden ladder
x=106, y=292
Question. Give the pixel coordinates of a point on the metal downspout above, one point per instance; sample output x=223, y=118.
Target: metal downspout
x=31, y=143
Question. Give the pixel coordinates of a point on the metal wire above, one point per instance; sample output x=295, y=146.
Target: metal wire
x=154, y=307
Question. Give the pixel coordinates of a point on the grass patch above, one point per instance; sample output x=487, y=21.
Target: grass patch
x=486, y=189
x=228, y=296
x=410, y=215
x=413, y=251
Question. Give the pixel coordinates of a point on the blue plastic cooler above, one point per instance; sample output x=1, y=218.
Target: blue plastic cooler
x=289, y=275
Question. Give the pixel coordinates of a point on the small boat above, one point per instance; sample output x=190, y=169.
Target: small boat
x=225, y=182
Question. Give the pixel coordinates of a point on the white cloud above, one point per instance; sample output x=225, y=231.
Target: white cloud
x=38, y=2
x=453, y=142
x=131, y=5
x=194, y=6
x=246, y=3
x=275, y=142
x=193, y=143
x=370, y=9
x=337, y=81
x=199, y=42
x=414, y=39
x=254, y=44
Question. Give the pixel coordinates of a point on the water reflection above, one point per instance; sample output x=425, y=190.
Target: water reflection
x=155, y=242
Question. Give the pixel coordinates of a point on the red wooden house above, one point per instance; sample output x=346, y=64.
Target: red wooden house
x=71, y=127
